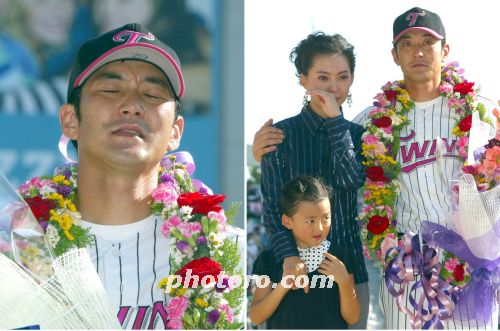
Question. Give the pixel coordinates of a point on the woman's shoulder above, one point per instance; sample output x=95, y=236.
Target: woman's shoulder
x=287, y=122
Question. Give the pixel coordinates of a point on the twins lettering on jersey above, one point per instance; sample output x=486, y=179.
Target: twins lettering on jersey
x=143, y=317
x=420, y=153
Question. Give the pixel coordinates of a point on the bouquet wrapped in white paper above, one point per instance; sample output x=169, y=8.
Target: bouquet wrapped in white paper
x=39, y=289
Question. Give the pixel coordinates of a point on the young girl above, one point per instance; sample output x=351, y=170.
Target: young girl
x=306, y=213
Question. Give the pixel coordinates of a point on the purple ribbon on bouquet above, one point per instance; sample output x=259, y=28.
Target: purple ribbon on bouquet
x=477, y=299
x=436, y=300
x=187, y=160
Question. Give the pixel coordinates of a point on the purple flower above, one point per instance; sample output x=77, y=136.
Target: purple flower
x=166, y=178
x=182, y=245
x=221, y=287
x=201, y=240
x=67, y=174
x=44, y=225
x=213, y=317
x=394, y=222
x=64, y=190
x=202, y=190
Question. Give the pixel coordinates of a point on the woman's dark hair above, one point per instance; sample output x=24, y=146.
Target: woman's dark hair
x=319, y=43
x=302, y=188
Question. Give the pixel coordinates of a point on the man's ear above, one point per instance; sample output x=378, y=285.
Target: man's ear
x=69, y=121
x=176, y=134
x=445, y=51
x=395, y=55
x=287, y=222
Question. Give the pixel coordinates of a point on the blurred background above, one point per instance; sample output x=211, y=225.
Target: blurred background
x=38, y=43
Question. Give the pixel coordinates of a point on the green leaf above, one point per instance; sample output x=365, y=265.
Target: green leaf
x=212, y=226
x=177, y=234
x=233, y=211
x=201, y=251
x=205, y=225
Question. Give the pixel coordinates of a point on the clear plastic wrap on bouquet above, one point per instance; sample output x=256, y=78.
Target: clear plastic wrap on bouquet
x=479, y=218
x=38, y=288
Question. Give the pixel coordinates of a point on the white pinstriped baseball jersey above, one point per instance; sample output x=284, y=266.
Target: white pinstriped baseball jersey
x=130, y=260
x=424, y=194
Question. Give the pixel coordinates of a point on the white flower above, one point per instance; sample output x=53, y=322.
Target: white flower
x=46, y=190
x=186, y=210
x=215, y=239
x=176, y=255
x=395, y=120
x=52, y=235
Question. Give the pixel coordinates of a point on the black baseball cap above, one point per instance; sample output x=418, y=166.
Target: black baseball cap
x=129, y=42
x=421, y=19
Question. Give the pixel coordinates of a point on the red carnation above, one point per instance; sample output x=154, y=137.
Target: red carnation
x=459, y=273
x=464, y=88
x=200, y=268
x=41, y=207
x=200, y=202
x=465, y=124
x=377, y=224
x=382, y=122
x=376, y=174
x=391, y=94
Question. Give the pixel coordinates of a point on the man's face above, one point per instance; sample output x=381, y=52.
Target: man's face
x=420, y=56
x=127, y=116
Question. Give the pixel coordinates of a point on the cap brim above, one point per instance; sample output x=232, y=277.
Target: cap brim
x=143, y=52
x=432, y=32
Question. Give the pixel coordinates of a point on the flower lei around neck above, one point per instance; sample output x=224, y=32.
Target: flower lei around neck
x=381, y=144
x=193, y=221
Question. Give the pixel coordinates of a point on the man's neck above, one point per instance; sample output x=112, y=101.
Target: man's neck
x=421, y=92
x=114, y=197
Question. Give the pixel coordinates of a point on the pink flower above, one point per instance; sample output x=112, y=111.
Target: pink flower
x=176, y=307
x=377, y=110
x=389, y=211
x=165, y=193
x=492, y=158
x=171, y=222
x=366, y=209
x=175, y=325
x=371, y=139
x=389, y=241
x=188, y=229
x=387, y=130
x=228, y=312
x=445, y=88
x=219, y=216
x=451, y=264
x=462, y=145
x=366, y=194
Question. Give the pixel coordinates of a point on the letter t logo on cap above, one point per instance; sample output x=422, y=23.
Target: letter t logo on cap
x=133, y=36
x=412, y=17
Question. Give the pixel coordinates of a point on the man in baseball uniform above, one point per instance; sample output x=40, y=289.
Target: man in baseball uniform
x=123, y=112
x=420, y=49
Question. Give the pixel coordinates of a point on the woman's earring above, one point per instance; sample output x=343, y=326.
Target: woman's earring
x=307, y=98
x=349, y=99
